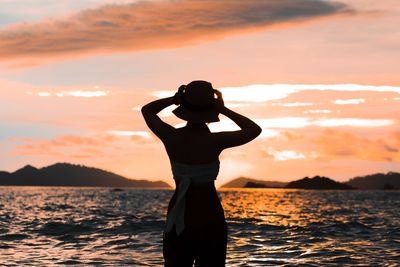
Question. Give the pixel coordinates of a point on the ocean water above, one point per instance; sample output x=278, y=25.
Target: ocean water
x=42, y=226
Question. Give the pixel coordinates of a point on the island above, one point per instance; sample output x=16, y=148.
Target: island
x=255, y=185
x=66, y=174
x=377, y=181
x=318, y=182
x=242, y=182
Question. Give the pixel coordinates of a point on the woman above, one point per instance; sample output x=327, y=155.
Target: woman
x=196, y=230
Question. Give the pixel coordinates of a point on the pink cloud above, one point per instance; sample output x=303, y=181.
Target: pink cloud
x=152, y=25
x=62, y=145
x=334, y=144
x=73, y=145
x=327, y=145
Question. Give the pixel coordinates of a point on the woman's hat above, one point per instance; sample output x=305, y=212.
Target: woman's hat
x=197, y=103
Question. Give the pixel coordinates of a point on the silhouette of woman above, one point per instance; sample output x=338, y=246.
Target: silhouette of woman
x=196, y=230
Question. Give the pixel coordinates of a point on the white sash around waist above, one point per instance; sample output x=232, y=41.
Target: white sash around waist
x=184, y=175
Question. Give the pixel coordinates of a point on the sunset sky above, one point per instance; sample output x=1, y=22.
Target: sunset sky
x=322, y=78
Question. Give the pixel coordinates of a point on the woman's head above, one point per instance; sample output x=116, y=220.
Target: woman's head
x=197, y=103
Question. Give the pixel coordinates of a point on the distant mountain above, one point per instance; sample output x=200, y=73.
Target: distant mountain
x=242, y=181
x=65, y=174
x=4, y=174
x=376, y=181
x=317, y=182
x=254, y=185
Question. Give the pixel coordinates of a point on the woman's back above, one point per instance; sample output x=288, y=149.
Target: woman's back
x=192, y=144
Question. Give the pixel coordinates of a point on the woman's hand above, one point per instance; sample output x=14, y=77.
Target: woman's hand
x=178, y=95
x=219, y=102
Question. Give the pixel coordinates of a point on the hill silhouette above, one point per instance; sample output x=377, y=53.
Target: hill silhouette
x=66, y=174
x=255, y=185
x=376, y=181
x=317, y=182
x=242, y=181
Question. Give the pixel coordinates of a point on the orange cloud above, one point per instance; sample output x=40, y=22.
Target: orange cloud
x=337, y=144
x=79, y=140
x=64, y=144
x=79, y=146
x=150, y=25
x=397, y=138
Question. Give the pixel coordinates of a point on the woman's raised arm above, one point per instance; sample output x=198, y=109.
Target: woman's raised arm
x=161, y=129
x=248, y=128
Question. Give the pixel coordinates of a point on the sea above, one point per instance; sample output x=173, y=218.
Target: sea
x=60, y=226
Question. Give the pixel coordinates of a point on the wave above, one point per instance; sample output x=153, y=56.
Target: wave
x=86, y=226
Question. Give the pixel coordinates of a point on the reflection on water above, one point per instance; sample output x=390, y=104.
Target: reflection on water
x=267, y=227
x=272, y=227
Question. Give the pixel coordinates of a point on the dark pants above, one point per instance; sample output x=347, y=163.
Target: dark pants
x=206, y=246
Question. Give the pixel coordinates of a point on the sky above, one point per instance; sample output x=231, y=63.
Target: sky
x=322, y=79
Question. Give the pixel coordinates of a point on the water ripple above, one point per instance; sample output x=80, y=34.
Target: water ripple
x=267, y=227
